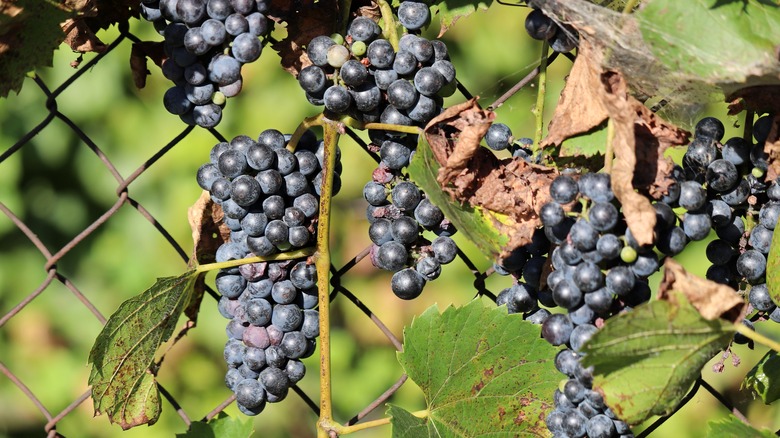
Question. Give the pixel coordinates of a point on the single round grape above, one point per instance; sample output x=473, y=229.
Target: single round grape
x=207, y=175
x=402, y=94
x=352, y=72
x=395, y=155
x=224, y=70
x=551, y=214
x=308, y=204
x=425, y=109
x=737, y=151
x=429, y=268
x=567, y=295
x=761, y=238
x=710, y=127
x=274, y=380
x=692, y=195
x=519, y=298
x=697, y=225
x=498, y=136
x=557, y=329
x=246, y=47
x=599, y=300
x=176, y=102
x=407, y=284
x=603, y=216
x=446, y=69
x=719, y=252
x=427, y=214
x=271, y=181
x=337, y=55
x=358, y=48
x=701, y=152
x=769, y=214
x=236, y=24
x=564, y=189
x=406, y=196
x=391, y=256
x=258, y=311
x=752, y=265
x=294, y=344
x=588, y=277
x=295, y=184
x=405, y=230
x=277, y=232
x=428, y=81
x=337, y=99
x=722, y=175
x=258, y=24
x=363, y=29
x=245, y=190
x=317, y=50
x=219, y=9
x=760, y=298
x=254, y=359
x=539, y=26
x=405, y=63
x=413, y=15
x=190, y=11
x=600, y=426
x=444, y=249
x=384, y=78
x=645, y=264
x=583, y=235
x=609, y=246
x=381, y=54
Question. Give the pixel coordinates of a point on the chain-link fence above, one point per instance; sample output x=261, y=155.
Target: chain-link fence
x=54, y=256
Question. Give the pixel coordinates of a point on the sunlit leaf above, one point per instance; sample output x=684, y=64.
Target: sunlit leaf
x=731, y=427
x=122, y=384
x=483, y=372
x=223, y=426
x=764, y=379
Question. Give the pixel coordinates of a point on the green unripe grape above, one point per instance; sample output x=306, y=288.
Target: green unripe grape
x=757, y=172
x=628, y=254
x=337, y=38
x=218, y=98
x=358, y=48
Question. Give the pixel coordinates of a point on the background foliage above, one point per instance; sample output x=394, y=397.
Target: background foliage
x=57, y=186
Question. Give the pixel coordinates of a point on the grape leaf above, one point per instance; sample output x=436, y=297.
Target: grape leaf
x=733, y=427
x=123, y=386
x=223, y=426
x=773, y=269
x=451, y=11
x=645, y=360
x=476, y=223
x=481, y=361
x=406, y=425
x=30, y=33
x=588, y=144
x=680, y=35
x=764, y=378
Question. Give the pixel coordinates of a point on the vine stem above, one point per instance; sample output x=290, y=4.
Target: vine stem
x=757, y=337
x=352, y=123
x=538, y=110
x=630, y=5
x=390, y=31
x=343, y=430
x=301, y=129
x=304, y=252
x=322, y=263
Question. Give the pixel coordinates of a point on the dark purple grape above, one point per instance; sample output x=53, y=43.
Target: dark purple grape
x=406, y=196
x=520, y=298
x=363, y=29
x=761, y=238
x=603, y=216
x=428, y=81
x=391, y=256
x=444, y=249
x=557, y=329
x=769, y=214
x=722, y=175
x=697, y=225
x=381, y=54
x=564, y=189
x=567, y=295
x=407, y=284
x=414, y=15
x=498, y=136
x=692, y=195
x=752, y=265
x=710, y=127
x=587, y=277
x=737, y=195
x=539, y=26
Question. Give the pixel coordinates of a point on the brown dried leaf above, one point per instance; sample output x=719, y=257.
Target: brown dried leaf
x=80, y=37
x=153, y=50
x=712, y=300
x=772, y=149
x=473, y=175
x=580, y=107
x=208, y=229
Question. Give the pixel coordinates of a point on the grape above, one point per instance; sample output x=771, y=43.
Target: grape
x=583, y=235
x=176, y=102
x=737, y=151
x=258, y=24
x=701, y=152
x=337, y=99
x=696, y=225
x=363, y=29
x=760, y=298
x=752, y=265
x=337, y=55
x=405, y=63
x=711, y=128
x=353, y=73
x=596, y=186
x=407, y=283
x=769, y=214
x=395, y=155
x=539, y=26
x=587, y=277
x=384, y=78
x=692, y=195
x=246, y=47
x=380, y=53
x=719, y=252
x=498, y=136
x=250, y=393
x=599, y=300
x=567, y=295
x=224, y=69
x=402, y=94
x=422, y=49
x=573, y=423
x=444, y=249
x=427, y=214
x=429, y=268
x=609, y=246
x=428, y=81
x=600, y=426
x=761, y=238
x=414, y=15
x=551, y=214
x=564, y=189
x=722, y=175
x=520, y=298
x=391, y=256
x=557, y=329
x=564, y=40
x=425, y=109
x=603, y=216
x=406, y=196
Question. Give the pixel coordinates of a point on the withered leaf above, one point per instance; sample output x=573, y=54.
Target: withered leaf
x=80, y=37
x=772, y=149
x=472, y=175
x=153, y=50
x=209, y=231
x=712, y=300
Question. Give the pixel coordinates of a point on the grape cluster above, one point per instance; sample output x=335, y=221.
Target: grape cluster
x=561, y=37
x=743, y=208
x=364, y=77
x=206, y=43
x=270, y=198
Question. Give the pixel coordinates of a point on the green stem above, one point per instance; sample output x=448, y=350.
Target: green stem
x=305, y=252
x=352, y=123
x=390, y=31
x=301, y=129
x=630, y=5
x=343, y=430
x=322, y=262
x=757, y=337
x=538, y=110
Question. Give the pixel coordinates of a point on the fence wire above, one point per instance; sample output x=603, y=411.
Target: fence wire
x=123, y=202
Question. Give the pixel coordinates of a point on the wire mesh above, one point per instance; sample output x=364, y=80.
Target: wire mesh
x=53, y=256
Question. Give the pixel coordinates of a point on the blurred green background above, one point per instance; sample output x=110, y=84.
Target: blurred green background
x=58, y=186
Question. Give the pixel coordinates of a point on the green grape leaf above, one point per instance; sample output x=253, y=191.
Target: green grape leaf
x=29, y=33
x=223, y=426
x=731, y=426
x=123, y=386
x=450, y=11
x=406, y=425
x=476, y=223
x=585, y=145
x=764, y=379
x=773, y=269
x=646, y=360
x=480, y=361
x=691, y=37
